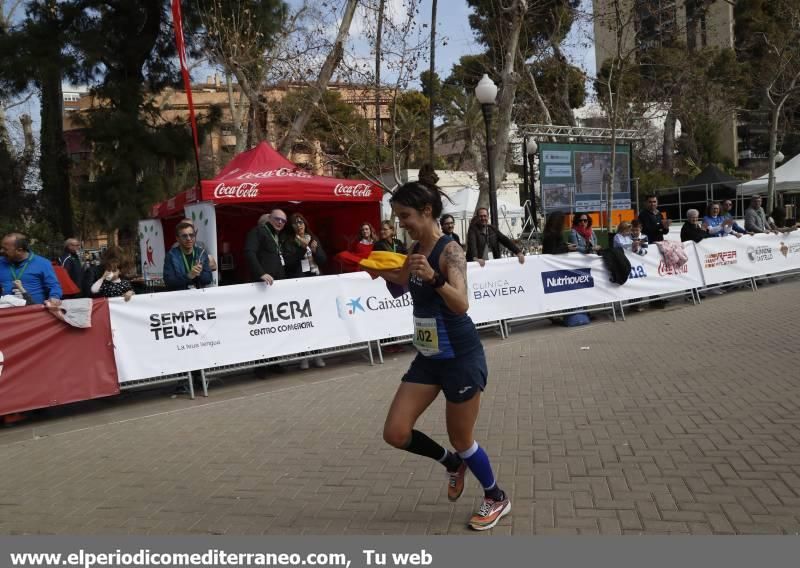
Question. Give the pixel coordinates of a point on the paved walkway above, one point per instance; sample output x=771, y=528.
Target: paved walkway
x=677, y=421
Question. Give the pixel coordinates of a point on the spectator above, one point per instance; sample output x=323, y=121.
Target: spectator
x=110, y=284
x=22, y=270
x=637, y=236
x=582, y=235
x=265, y=248
x=716, y=224
x=624, y=239
x=653, y=226
x=70, y=261
x=484, y=240
x=388, y=241
x=309, y=254
x=755, y=219
x=305, y=248
x=448, y=224
x=553, y=235
x=186, y=266
x=348, y=259
x=727, y=213
x=691, y=230
x=212, y=263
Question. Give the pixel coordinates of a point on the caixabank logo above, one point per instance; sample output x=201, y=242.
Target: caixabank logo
x=351, y=307
x=555, y=281
x=723, y=258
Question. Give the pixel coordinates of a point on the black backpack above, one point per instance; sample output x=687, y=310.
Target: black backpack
x=617, y=264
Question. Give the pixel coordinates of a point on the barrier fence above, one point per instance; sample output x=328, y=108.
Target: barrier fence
x=158, y=338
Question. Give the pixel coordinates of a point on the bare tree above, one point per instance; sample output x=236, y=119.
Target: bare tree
x=326, y=72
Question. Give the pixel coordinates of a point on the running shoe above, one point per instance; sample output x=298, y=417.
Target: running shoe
x=489, y=513
x=455, y=483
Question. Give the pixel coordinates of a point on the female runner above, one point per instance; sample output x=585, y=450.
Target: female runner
x=450, y=358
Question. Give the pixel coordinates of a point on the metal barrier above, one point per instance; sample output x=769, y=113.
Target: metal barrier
x=160, y=380
x=210, y=374
x=609, y=307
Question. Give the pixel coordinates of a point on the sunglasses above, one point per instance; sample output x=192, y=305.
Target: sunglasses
x=299, y=222
x=279, y=220
x=583, y=220
x=186, y=236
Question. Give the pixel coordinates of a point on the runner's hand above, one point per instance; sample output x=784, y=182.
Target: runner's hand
x=418, y=265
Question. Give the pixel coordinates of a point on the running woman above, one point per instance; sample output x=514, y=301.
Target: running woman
x=450, y=358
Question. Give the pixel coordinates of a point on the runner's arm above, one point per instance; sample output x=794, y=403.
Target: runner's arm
x=453, y=266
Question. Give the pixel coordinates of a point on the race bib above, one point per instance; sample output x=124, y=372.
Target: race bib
x=426, y=336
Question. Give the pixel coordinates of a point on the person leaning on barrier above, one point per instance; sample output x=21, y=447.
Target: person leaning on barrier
x=581, y=235
x=692, y=230
x=25, y=272
x=625, y=241
x=483, y=240
x=186, y=266
x=653, y=226
x=716, y=224
x=755, y=219
x=265, y=248
x=727, y=213
x=553, y=235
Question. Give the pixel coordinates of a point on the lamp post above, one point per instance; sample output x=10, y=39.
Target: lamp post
x=529, y=148
x=486, y=92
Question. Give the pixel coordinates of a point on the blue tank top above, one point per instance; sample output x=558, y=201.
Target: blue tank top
x=455, y=335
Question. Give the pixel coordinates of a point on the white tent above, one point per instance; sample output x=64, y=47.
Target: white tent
x=787, y=178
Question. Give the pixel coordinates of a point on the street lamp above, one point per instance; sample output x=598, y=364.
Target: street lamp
x=486, y=92
x=529, y=148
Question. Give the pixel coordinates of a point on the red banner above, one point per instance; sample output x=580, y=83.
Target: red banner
x=177, y=23
x=45, y=362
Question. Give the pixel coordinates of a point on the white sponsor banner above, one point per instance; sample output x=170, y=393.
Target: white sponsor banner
x=557, y=156
x=369, y=311
x=204, y=218
x=558, y=171
x=500, y=289
x=650, y=276
x=727, y=258
x=171, y=332
x=151, y=248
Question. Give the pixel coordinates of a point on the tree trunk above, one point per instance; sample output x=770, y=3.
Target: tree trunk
x=378, y=127
x=319, y=86
x=773, y=149
x=668, y=151
x=54, y=163
x=509, y=79
x=433, y=90
x=537, y=96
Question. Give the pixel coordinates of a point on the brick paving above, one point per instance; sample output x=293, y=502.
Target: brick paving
x=616, y=439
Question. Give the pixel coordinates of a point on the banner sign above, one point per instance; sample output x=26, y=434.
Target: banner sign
x=151, y=249
x=204, y=218
x=727, y=258
x=46, y=362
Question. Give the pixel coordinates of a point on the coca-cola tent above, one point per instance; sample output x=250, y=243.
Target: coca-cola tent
x=260, y=179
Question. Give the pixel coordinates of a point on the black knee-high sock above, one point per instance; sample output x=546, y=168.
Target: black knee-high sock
x=422, y=445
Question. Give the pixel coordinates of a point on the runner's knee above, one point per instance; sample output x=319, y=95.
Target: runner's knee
x=396, y=435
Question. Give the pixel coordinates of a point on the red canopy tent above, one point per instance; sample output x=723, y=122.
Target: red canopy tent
x=261, y=179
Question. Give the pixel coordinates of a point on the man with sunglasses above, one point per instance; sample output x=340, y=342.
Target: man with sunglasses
x=652, y=224
x=266, y=251
x=186, y=266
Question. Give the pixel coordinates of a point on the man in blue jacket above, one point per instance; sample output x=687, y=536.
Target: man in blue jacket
x=186, y=266
x=21, y=269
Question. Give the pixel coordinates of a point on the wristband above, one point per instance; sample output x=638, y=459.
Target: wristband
x=437, y=281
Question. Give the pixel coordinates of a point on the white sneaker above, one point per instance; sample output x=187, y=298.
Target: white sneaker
x=318, y=362
x=304, y=364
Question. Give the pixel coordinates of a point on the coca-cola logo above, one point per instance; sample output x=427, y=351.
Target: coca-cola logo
x=241, y=191
x=664, y=270
x=357, y=190
x=280, y=172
